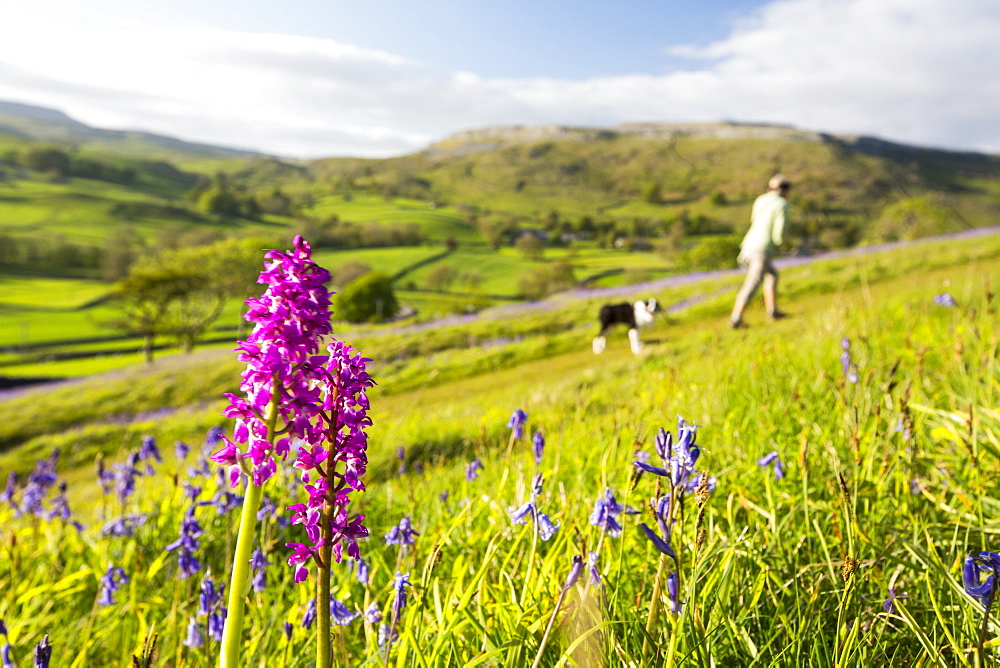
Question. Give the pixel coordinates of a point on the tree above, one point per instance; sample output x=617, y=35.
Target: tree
x=143, y=299
x=346, y=272
x=651, y=194
x=441, y=277
x=182, y=292
x=530, y=246
x=547, y=279
x=369, y=298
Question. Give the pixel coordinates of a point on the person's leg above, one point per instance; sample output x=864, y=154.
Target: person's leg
x=770, y=290
x=755, y=271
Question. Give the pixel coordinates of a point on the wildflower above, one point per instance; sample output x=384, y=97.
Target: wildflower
x=340, y=614
x=399, y=583
x=401, y=456
x=187, y=545
x=209, y=596
x=43, y=653
x=538, y=446
x=775, y=459
x=606, y=511
x=574, y=572
x=402, y=534
x=194, y=638
x=902, y=428
x=443, y=496
x=309, y=616
x=672, y=591
x=660, y=543
x=288, y=628
x=7, y=496
x=5, y=656
x=373, y=615
x=361, y=570
x=111, y=581
x=595, y=575
x=60, y=505
x=147, y=451
x=181, y=450
x=259, y=564
x=680, y=457
x=975, y=565
x=516, y=423
x=945, y=299
x=526, y=510
x=123, y=526
x=331, y=475
x=546, y=529
x=387, y=636
x=850, y=368
x=472, y=469
x=889, y=604
x=217, y=624
x=290, y=318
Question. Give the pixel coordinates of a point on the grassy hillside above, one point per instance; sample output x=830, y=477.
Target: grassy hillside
x=854, y=557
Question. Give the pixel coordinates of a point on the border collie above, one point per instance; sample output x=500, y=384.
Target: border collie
x=633, y=316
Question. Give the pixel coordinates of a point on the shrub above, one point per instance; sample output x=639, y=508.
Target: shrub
x=369, y=298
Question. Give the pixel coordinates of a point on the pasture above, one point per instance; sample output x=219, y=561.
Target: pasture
x=854, y=555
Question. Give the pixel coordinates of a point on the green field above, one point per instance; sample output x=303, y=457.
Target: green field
x=888, y=483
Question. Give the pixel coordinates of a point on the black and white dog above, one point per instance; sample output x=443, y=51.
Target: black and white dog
x=633, y=316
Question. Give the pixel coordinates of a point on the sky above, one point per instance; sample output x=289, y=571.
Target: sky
x=319, y=78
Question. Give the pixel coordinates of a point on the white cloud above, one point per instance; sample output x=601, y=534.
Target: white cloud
x=920, y=71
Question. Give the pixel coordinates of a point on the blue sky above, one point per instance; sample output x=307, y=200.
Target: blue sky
x=311, y=78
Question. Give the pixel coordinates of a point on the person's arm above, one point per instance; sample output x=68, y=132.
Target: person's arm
x=778, y=227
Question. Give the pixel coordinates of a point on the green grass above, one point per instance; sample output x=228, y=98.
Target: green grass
x=762, y=585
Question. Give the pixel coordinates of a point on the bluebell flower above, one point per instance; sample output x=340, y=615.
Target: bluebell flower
x=361, y=570
x=595, y=575
x=661, y=543
x=546, y=529
x=606, y=512
x=444, y=496
x=679, y=458
x=181, y=450
x=516, y=423
x=123, y=526
x=574, y=572
x=472, y=469
x=259, y=564
x=889, y=604
x=194, y=638
x=209, y=596
x=111, y=581
x=59, y=505
x=43, y=653
x=538, y=446
x=7, y=496
x=773, y=458
x=191, y=491
x=402, y=534
x=288, y=628
x=976, y=564
x=6, y=656
x=850, y=368
x=309, y=616
x=401, y=456
x=387, y=636
x=147, y=451
x=213, y=437
x=672, y=591
x=373, y=615
x=217, y=624
x=399, y=583
x=340, y=614
x=3, y=628
x=187, y=545
x=518, y=515
x=945, y=299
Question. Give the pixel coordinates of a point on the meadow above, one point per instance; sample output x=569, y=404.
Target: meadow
x=825, y=483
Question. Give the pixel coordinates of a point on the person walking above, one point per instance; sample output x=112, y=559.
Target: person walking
x=767, y=224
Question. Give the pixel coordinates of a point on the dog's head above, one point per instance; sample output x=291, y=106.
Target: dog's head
x=651, y=306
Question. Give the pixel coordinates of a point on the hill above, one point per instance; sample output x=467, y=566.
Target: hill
x=49, y=125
